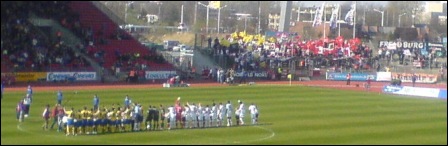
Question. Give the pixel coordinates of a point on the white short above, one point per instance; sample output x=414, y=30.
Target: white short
x=252, y=116
x=64, y=119
x=193, y=117
x=229, y=114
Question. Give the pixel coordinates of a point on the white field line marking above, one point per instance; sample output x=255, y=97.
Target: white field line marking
x=19, y=127
x=235, y=142
x=260, y=139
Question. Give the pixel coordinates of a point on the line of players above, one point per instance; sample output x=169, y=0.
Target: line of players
x=120, y=119
x=130, y=118
x=198, y=116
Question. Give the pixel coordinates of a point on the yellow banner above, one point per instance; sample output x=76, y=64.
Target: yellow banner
x=214, y=4
x=26, y=76
x=225, y=42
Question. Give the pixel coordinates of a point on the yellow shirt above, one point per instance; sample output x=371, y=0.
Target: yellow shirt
x=103, y=115
x=89, y=115
x=118, y=114
x=79, y=115
x=112, y=116
x=69, y=114
x=84, y=114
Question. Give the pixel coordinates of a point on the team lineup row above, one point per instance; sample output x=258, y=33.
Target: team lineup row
x=130, y=117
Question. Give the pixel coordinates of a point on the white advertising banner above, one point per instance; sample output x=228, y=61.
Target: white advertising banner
x=71, y=76
x=159, y=74
x=383, y=76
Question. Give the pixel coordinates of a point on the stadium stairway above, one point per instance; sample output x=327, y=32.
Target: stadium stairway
x=201, y=60
x=72, y=40
x=93, y=17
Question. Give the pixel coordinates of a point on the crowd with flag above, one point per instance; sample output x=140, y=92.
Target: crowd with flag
x=254, y=52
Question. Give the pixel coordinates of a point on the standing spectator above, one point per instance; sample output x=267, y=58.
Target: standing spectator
x=209, y=42
x=279, y=73
x=46, y=116
x=440, y=71
x=131, y=77
x=59, y=36
x=96, y=102
x=349, y=76
x=59, y=97
x=414, y=78
x=368, y=83
x=244, y=77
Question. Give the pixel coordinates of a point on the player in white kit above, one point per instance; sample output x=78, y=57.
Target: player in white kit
x=206, y=116
x=237, y=116
x=200, y=116
x=193, y=117
x=242, y=112
x=187, y=116
x=213, y=117
x=172, y=116
x=221, y=114
x=252, y=113
x=229, y=111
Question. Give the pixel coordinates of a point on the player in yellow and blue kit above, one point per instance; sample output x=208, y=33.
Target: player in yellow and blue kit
x=70, y=121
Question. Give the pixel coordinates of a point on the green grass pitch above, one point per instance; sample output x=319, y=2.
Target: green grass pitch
x=288, y=115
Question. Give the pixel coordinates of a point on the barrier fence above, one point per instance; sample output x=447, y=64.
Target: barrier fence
x=25, y=76
x=416, y=91
x=71, y=76
x=383, y=76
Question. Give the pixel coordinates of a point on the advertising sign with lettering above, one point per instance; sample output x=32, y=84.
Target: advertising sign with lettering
x=414, y=91
x=27, y=76
x=253, y=74
x=71, y=76
x=401, y=45
x=159, y=74
x=334, y=76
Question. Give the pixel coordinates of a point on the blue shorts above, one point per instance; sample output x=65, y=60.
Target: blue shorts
x=90, y=122
x=84, y=122
x=78, y=123
x=104, y=122
x=97, y=122
x=111, y=122
x=70, y=122
x=118, y=122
